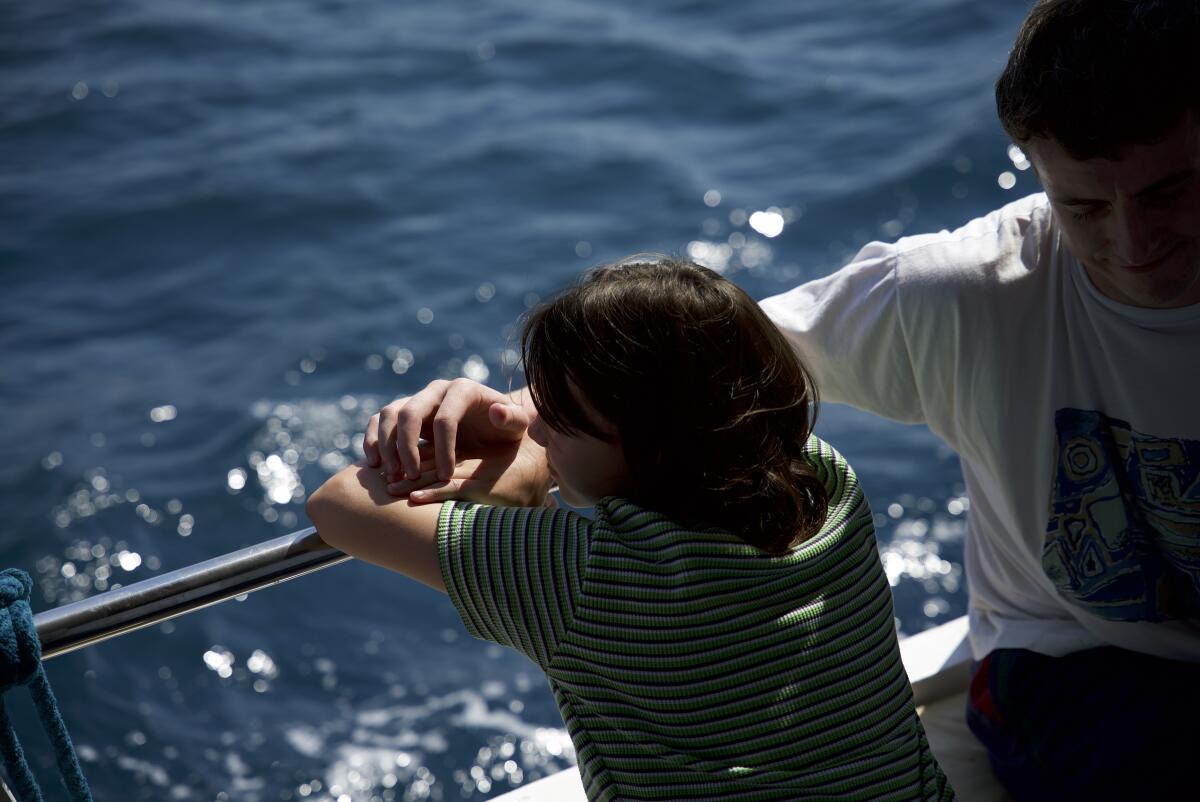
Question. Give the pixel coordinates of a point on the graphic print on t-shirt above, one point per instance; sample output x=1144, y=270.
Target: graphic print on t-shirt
x=1123, y=539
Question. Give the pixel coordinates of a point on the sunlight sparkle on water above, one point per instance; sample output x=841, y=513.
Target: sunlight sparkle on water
x=476, y=369
x=89, y=565
x=277, y=479
x=261, y=663
x=914, y=554
x=164, y=413
x=1018, y=158
x=299, y=434
x=402, y=359
x=768, y=223
x=236, y=479
x=755, y=253
x=390, y=746
x=220, y=660
x=713, y=255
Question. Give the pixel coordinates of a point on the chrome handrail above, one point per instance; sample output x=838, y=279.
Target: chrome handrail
x=151, y=601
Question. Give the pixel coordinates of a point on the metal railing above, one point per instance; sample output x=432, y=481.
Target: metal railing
x=115, y=612
x=936, y=663
x=159, y=598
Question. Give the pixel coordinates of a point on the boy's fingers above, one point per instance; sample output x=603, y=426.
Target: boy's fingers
x=402, y=486
x=456, y=402
x=437, y=412
x=371, y=442
x=385, y=438
x=433, y=493
x=410, y=418
x=445, y=430
x=510, y=417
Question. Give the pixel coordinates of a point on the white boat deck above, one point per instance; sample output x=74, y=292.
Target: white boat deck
x=937, y=661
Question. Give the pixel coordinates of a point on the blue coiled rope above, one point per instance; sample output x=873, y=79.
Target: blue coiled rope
x=21, y=664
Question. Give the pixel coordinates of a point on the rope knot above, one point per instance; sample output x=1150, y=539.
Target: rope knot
x=21, y=664
x=15, y=585
x=20, y=649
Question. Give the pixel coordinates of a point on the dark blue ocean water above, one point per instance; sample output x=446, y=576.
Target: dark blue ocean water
x=229, y=231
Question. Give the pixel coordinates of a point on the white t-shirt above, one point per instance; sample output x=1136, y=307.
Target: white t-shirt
x=1077, y=419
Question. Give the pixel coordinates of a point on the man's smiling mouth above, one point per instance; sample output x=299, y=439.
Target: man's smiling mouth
x=1146, y=267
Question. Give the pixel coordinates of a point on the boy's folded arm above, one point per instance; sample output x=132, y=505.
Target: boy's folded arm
x=353, y=512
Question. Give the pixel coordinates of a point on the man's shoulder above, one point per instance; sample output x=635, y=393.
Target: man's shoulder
x=1003, y=245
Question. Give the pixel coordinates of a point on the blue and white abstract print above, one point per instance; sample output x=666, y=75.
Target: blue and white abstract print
x=1123, y=539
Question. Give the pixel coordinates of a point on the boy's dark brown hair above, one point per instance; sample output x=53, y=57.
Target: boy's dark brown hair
x=1098, y=75
x=711, y=405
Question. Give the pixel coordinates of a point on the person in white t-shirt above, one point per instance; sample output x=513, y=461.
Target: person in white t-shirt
x=1055, y=345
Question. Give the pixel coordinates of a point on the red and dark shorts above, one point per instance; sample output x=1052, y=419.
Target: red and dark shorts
x=1099, y=724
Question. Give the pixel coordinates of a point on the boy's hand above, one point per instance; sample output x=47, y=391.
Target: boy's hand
x=511, y=474
x=453, y=416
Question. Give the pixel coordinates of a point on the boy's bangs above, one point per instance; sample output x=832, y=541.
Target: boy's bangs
x=550, y=352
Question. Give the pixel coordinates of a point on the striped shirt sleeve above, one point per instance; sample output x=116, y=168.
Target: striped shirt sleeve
x=514, y=573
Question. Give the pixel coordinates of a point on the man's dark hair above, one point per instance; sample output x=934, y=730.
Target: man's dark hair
x=1098, y=75
x=711, y=404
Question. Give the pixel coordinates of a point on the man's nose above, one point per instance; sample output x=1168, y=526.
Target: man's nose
x=1134, y=238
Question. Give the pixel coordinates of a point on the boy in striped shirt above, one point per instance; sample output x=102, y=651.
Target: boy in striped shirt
x=722, y=627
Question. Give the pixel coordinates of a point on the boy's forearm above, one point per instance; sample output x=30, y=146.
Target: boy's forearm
x=353, y=512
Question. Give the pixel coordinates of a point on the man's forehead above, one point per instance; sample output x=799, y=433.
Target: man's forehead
x=1138, y=169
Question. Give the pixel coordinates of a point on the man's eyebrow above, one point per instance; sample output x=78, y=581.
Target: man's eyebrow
x=1169, y=181
x=1158, y=186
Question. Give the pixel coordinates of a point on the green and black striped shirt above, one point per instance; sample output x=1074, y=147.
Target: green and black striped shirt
x=689, y=665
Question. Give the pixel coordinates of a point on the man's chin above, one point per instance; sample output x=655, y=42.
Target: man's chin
x=1167, y=284
x=1175, y=283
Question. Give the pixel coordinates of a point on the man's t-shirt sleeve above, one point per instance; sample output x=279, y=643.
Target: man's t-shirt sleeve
x=514, y=573
x=849, y=332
